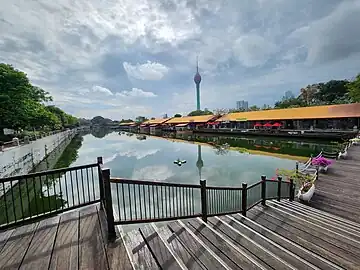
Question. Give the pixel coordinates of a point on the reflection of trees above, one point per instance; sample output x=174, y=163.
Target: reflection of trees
x=141, y=137
x=35, y=195
x=100, y=132
x=221, y=150
x=70, y=154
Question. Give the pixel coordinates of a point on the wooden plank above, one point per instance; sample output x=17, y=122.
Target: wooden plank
x=91, y=247
x=323, y=225
x=4, y=236
x=160, y=251
x=116, y=252
x=294, y=247
x=231, y=256
x=65, y=253
x=317, y=246
x=240, y=239
x=141, y=257
x=194, y=247
x=16, y=246
x=281, y=252
x=39, y=252
x=179, y=249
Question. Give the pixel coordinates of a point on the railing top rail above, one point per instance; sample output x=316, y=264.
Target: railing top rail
x=150, y=183
x=223, y=188
x=49, y=172
x=119, y=180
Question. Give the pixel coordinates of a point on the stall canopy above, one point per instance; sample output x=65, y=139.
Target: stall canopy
x=268, y=125
x=258, y=125
x=277, y=125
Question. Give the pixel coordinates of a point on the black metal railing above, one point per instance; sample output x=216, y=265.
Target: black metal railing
x=134, y=201
x=26, y=198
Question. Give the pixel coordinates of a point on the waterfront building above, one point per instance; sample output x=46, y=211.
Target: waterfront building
x=188, y=123
x=152, y=126
x=330, y=117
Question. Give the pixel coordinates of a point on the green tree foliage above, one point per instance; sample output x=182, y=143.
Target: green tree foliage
x=331, y=92
x=354, y=89
x=22, y=104
x=141, y=119
x=177, y=115
x=126, y=121
x=200, y=112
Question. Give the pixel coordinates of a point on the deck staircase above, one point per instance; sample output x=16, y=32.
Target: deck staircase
x=281, y=235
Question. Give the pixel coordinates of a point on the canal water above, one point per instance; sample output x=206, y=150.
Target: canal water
x=222, y=161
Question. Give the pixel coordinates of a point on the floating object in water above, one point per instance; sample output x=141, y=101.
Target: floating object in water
x=179, y=162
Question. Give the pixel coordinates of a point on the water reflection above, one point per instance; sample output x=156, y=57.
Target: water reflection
x=41, y=194
x=199, y=162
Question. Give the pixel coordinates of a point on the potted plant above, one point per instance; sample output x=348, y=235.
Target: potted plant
x=322, y=162
x=306, y=182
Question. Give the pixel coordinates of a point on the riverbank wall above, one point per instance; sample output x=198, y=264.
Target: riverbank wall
x=23, y=159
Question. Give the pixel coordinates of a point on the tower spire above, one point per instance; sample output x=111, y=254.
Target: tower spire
x=197, y=80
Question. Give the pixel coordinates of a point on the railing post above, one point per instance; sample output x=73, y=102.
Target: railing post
x=297, y=167
x=292, y=190
x=203, y=200
x=279, y=188
x=317, y=172
x=101, y=181
x=263, y=190
x=108, y=205
x=244, y=199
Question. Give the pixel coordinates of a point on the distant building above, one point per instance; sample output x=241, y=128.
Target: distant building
x=165, y=116
x=288, y=95
x=242, y=105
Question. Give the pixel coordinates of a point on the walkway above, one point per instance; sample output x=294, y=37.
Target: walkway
x=73, y=240
x=338, y=191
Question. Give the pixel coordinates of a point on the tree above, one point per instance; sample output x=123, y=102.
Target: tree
x=152, y=118
x=141, y=119
x=254, y=108
x=332, y=92
x=289, y=103
x=354, y=89
x=177, y=115
x=200, y=112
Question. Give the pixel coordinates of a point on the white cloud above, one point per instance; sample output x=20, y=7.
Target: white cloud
x=102, y=90
x=136, y=92
x=253, y=50
x=148, y=71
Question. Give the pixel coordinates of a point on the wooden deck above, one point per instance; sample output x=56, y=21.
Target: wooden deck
x=282, y=235
x=73, y=240
x=338, y=191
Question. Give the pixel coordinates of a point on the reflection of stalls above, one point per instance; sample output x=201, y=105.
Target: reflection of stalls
x=183, y=127
x=141, y=137
x=144, y=128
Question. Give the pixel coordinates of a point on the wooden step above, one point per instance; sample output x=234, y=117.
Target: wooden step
x=178, y=248
x=283, y=253
x=308, y=209
x=343, y=242
x=140, y=255
x=287, y=243
x=232, y=255
x=196, y=247
x=320, y=218
x=261, y=253
x=160, y=250
x=318, y=246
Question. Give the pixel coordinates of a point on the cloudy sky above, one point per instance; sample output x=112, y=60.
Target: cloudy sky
x=123, y=58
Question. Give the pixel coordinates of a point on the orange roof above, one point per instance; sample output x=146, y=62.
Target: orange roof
x=315, y=112
x=156, y=121
x=126, y=124
x=188, y=119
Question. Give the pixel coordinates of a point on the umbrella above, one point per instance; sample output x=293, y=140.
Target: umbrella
x=268, y=125
x=258, y=125
x=277, y=125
